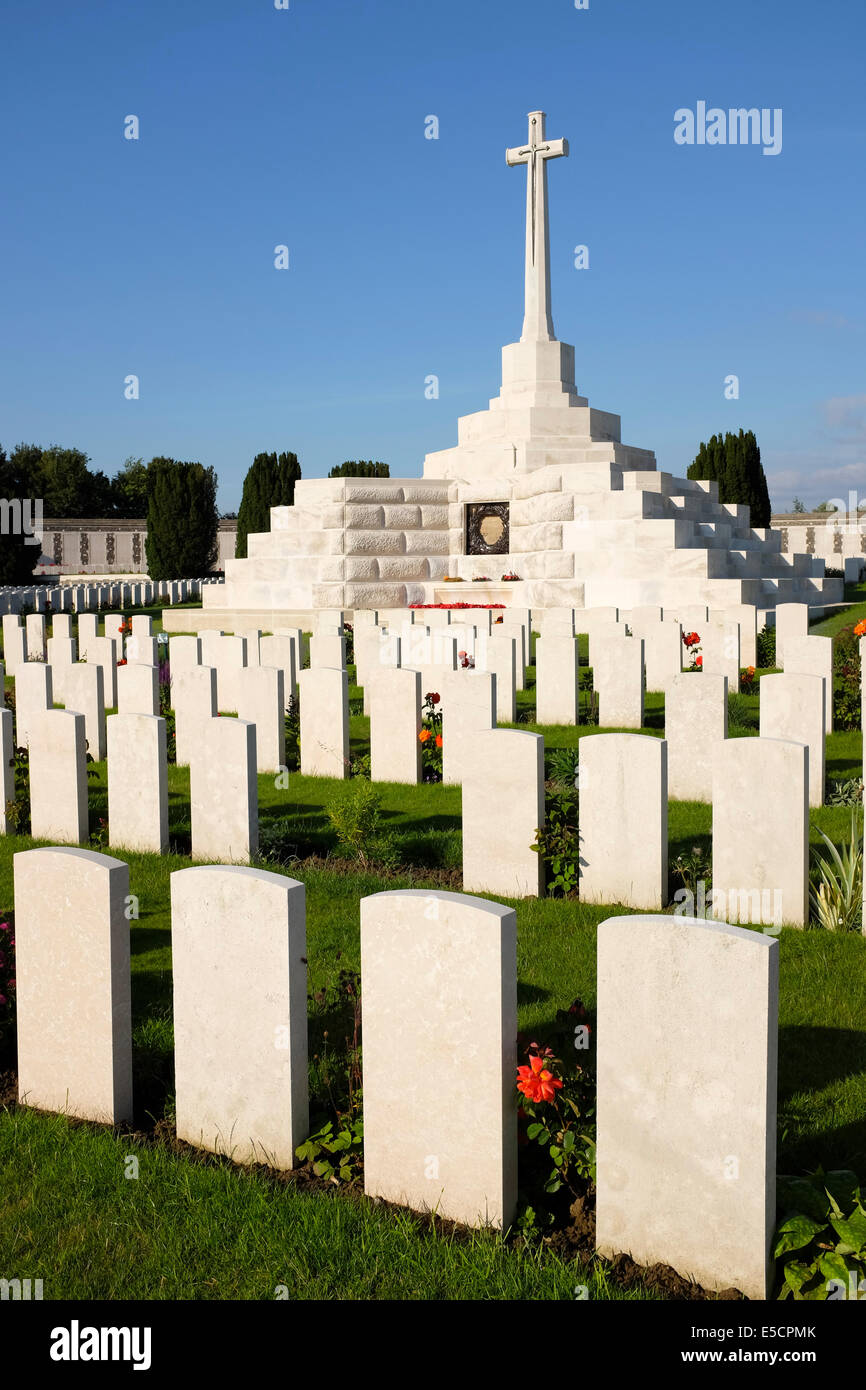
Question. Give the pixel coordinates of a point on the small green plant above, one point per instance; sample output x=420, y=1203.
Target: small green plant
x=335, y=1148
x=355, y=815
x=766, y=647
x=99, y=836
x=360, y=767
x=820, y=1243
x=18, y=808
x=562, y=766
x=558, y=841
x=335, y=1151
x=836, y=883
x=692, y=867
x=848, y=793
x=293, y=733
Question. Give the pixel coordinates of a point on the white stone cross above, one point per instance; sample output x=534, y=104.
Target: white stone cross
x=537, y=321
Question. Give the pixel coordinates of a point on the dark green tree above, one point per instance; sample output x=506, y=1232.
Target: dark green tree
x=797, y=506
x=17, y=558
x=362, y=468
x=734, y=462
x=129, y=489
x=270, y=482
x=182, y=519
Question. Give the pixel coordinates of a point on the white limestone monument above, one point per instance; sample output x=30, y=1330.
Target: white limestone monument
x=539, y=485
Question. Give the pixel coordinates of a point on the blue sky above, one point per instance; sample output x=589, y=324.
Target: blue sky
x=305, y=127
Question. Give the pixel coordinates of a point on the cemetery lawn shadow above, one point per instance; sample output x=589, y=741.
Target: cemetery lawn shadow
x=218, y=1232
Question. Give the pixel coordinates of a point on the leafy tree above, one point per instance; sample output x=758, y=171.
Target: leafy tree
x=182, y=519
x=734, y=462
x=797, y=506
x=363, y=468
x=825, y=507
x=270, y=482
x=16, y=557
x=129, y=488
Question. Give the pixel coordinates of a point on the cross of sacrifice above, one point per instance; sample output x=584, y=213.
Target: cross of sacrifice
x=537, y=321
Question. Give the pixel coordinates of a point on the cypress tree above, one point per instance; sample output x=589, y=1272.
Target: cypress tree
x=270, y=482
x=182, y=519
x=360, y=468
x=734, y=462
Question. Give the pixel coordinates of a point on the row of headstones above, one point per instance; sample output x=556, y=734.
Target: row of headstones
x=760, y=841
x=630, y=652
x=79, y=598
x=685, y=1053
x=70, y=640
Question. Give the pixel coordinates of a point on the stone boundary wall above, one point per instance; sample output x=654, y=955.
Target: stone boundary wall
x=93, y=546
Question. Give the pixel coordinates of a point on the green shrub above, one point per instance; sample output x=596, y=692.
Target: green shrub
x=836, y=883
x=355, y=815
x=820, y=1243
x=558, y=841
x=846, y=671
x=766, y=647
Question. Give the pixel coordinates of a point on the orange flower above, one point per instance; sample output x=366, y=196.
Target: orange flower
x=536, y=1082
x=438, y=740
x=424, y=735
x=699, y=661
x=860, y=629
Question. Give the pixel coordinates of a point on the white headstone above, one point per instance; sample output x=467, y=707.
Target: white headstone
x=34, y=694
x=557, y=680
x=720, y=650
x=239, y=974
x=58, y=777
x=83, y=692
x=792, y=708
x=623, y=820
x=138, y=689
x=328, y=649
x=395, y=725
x=618, y=679
x=813, y=656
x=498, y=655
x=696, y=719
x=223, y=792
x=439, y=978
x=761, y=832
x=687, y=1049
x=468, y=708
x=183, y=652
x=261, y=701
x=137, y=783
x=282, y=651
x=503, y=806
x=73, y=983
x=792, y=620
x=324, y=696
x=194, y=701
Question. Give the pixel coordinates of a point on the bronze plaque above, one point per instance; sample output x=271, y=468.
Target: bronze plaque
x=487, y=528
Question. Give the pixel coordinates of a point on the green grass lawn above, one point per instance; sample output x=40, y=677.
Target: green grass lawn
x=194, y=1226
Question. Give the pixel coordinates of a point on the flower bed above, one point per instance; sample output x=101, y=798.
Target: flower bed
x=456, y=605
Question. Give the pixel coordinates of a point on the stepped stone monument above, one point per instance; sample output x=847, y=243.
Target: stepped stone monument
x=539, y=484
